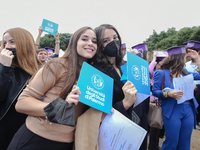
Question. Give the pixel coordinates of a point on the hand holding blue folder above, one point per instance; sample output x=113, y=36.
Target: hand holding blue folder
x=49, y=26
x=96, y=88
x=137, y=71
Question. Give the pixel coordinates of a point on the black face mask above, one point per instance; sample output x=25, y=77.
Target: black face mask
x=112, y=48
x=13, y=50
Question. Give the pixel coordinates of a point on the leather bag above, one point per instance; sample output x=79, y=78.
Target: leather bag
x=155, y=116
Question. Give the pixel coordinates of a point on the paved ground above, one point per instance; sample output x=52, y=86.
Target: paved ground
x=195, y=141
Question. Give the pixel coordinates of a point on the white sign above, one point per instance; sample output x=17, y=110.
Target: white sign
x=186, y=85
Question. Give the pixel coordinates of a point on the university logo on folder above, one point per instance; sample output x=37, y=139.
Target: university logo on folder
x=49, y=27
x=137, y=71
x=96, y=88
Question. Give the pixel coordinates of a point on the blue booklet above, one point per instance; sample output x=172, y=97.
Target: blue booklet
x=124, y=76
x=137, y=71
x=49, y=26
x=96, y=88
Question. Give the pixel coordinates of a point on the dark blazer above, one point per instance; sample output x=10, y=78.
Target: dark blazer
x=118, y=94
x=12, y=82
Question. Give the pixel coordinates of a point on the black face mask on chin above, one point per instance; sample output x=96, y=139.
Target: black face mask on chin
x=13, y=50
x=112, y=49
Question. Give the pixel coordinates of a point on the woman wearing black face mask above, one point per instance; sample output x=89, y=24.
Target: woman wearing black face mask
x=18, y=62
x=108, y=59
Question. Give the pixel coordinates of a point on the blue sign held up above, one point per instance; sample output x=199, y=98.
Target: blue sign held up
x=49, y=26
x=96, y=88
x=137, y=71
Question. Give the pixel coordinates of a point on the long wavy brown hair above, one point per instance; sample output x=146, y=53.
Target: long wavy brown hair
x=25, y=49
x=72, y=64
x=175, y=63
x=100, y=58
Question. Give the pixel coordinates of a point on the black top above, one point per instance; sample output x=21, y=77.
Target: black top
x=12, y=82
x=118, y=94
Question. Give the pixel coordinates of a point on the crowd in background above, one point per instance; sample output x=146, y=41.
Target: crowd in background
x=36, y=84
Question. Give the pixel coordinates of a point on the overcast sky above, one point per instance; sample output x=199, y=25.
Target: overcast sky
x=134, y=19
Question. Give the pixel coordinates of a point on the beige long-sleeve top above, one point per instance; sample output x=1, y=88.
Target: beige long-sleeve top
x=50, y=87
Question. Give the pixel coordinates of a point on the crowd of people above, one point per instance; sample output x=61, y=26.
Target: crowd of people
x=35, y=81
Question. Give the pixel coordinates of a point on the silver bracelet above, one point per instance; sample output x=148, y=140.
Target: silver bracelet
x=57, y=42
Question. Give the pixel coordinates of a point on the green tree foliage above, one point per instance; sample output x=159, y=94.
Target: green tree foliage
x=171, y=37
x=49, y=41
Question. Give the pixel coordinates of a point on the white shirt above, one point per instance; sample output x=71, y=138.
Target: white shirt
x=191, y=67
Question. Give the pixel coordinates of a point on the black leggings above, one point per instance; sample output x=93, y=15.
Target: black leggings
x=24, y=139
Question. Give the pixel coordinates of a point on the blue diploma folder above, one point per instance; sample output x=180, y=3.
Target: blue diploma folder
x=96, y=88
x=137, y=71
x=49, y=26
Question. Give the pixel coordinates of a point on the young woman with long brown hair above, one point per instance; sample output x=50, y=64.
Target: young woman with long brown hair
x=108, y=59
x=179, y=119
x=57, y=81
x=18, y=62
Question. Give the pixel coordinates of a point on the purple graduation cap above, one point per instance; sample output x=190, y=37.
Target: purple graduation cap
x=160, y=55
x=123, y=46
x=49, y=49
x=194, y=44
x=141, y=47
x=176, y=50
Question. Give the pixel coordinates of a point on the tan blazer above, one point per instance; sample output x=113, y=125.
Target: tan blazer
x=87, y=129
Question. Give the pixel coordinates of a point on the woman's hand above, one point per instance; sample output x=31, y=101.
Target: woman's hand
x=56, y=36
x=134, y=51
x=40, y=29
x=73, y=96
x=6, y=57
x=193, y=54
x=154, y=56
x=176, y=94
x=105, y=114
x=129, y=94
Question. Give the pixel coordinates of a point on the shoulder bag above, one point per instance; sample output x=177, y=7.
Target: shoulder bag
x=155, y=116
